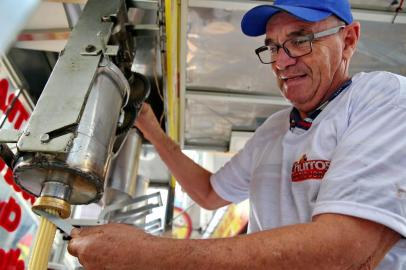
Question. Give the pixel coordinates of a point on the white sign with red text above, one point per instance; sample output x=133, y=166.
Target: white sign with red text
x=17, y=224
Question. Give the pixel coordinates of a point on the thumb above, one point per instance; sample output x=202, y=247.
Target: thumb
x=74, y=247
x=75, y=232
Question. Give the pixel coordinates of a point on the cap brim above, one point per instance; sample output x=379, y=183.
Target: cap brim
x=254, y=21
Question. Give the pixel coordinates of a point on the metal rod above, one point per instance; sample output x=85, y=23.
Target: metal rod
x=9, y=108
x=130, y=213
x=72, y=12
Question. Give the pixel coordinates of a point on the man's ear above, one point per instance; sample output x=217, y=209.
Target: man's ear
x=351, y=38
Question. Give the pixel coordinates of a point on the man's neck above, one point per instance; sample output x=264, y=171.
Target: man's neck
x=333, y=89
x=330, y=95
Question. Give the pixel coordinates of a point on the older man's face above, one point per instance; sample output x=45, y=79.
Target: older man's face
x=309, y=80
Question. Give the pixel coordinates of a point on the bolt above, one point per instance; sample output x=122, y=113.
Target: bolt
x=105, y=19
x=90, y=48
x=109, y=18
x=45, y=138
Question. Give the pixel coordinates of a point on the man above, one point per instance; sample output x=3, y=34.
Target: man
x=325, y=178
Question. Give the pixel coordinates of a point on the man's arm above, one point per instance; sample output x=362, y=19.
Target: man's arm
x=329, y=242
x=193, y=178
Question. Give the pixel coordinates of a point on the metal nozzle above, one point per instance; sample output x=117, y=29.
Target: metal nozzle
x=55, y=196
x=46, y=203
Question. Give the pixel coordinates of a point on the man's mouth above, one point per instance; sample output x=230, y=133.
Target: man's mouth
x=292, y=78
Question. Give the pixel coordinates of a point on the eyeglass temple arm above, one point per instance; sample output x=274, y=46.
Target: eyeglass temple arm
x=328, y=32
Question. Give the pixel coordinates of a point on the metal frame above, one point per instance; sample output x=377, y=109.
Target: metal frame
x=73, y=12
x=71, y=67
x=182, y=70
x=244, y=98
x=224, y=4
x=144, y=4
x=127, y=216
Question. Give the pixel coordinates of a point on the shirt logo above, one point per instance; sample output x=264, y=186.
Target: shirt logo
x=309, y=169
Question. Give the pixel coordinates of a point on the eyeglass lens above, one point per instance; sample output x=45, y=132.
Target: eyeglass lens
x=293, y=47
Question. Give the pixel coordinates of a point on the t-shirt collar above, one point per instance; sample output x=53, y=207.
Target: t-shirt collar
x=296, y=120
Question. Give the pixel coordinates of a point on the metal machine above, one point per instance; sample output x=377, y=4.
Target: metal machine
x=82, y=122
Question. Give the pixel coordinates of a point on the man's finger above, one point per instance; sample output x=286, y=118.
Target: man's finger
x=85, y=231
x=73, y=247
x=75, y=232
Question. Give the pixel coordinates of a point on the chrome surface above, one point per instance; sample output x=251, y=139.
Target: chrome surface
x=132, y=208
x=152, y=166
x=121, y=183
x=49, y=114
x=57, y=188
x=139, y=208
x=85, y=166
x=110, y=211
x=91, y=149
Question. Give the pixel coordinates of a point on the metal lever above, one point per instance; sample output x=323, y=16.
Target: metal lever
x=63, y=225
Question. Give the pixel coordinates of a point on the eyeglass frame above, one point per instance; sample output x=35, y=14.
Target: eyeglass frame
x=311, y=37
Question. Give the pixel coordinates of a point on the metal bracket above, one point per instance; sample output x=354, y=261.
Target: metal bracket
x=145, y=30
x=91, y=50
x=127, y=217
x=143, y=4
x=119, y=206
x=10, y=135
x=71, y=79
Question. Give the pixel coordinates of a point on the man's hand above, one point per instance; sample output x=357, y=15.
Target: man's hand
x=331, y=241
x=191, y=176
x=147, y=123
x=111, y=246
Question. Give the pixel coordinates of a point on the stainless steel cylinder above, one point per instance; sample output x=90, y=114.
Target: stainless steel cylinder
x=85, y=165
x=122, y=181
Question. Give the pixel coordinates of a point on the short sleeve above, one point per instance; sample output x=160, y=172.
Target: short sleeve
x=231, y=182
x=367, y=174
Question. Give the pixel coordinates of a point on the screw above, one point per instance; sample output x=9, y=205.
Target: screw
x=27, y=133
x=45, y=138
x=109, y=18
x=90, y=48
x=105, y=19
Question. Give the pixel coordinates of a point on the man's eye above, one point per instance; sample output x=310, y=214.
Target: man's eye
x=273, y=49
x=299, y=41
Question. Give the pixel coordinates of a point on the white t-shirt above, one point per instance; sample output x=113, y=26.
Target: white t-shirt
x=351, y=161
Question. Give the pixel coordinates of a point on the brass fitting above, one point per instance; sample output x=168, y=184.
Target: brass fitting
x=46, y=203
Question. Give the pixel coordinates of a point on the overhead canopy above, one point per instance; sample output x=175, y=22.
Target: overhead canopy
x=228, y=89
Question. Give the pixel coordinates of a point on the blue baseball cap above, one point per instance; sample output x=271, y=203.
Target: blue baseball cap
x=254, y=21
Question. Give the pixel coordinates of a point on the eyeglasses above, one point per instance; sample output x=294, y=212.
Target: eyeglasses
x=294, y=47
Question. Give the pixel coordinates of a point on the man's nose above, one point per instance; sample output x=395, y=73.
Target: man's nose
x=283, y=60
